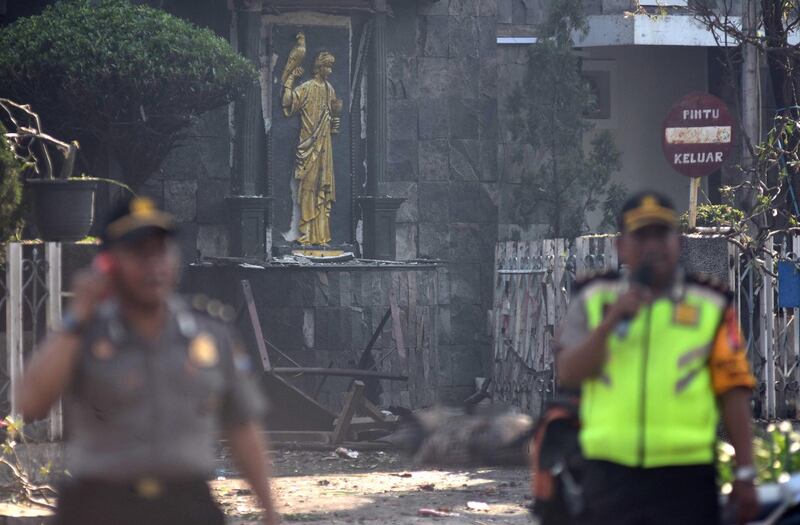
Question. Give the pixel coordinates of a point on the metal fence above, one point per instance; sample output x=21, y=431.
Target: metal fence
x=771, y=332
x=29, y=273
x=533, y=283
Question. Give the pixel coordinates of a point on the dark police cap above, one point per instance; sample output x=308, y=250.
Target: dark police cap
x=647, y=208
x=136, y=218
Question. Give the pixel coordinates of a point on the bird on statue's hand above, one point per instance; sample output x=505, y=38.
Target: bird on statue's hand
x=296, y=57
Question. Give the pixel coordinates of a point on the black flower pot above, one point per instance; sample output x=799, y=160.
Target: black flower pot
x=63, y=209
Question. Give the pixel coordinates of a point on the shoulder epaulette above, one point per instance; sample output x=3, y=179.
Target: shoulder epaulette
x=710, y=282
x=607, y=275
x=212, y=308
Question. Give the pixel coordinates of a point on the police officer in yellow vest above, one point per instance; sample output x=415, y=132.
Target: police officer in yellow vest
x=658, y=357
x=149, y=384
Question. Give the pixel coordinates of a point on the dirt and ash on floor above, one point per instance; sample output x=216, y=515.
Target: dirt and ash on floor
x=379, y=487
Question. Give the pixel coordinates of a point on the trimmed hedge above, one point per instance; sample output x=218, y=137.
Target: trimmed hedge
x=124, y=79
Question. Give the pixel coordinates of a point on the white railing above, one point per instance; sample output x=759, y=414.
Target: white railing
x=30, y=277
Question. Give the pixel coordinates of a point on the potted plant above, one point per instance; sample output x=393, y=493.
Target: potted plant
x=62, y=206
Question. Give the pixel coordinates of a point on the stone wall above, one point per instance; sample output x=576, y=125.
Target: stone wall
x=324, y=316
x=442, y=157
x=192, y=185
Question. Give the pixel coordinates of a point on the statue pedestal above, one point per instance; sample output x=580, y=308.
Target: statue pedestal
x=249, y=226
x=379, y=226
x=281, y=248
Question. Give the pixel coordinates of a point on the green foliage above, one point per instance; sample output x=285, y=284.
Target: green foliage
x=714, y=215
x=776, y=452
x=10, y=189
x=125, y=80
x=564, y=184
x=562, y=17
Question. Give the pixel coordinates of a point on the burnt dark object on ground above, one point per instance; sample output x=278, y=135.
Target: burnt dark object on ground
x=454, y=436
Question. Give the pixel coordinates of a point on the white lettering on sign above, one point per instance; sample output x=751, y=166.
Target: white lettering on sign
x=709, y=157
x=699, y=135
x=700, y=114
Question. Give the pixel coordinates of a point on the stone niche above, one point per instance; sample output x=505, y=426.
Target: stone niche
x=323, y=32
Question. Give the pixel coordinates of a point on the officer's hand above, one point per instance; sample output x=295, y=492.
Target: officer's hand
x=746, y=501
x=89, y=289
x=629, y=303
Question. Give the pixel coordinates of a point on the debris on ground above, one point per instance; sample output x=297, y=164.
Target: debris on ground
x=478, y=505
x=456, y=436
x=346, y=453
x=378, y=488
x=436, y=513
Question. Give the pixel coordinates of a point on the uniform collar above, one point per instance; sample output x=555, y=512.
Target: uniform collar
x=676, y=291
x=179, y=319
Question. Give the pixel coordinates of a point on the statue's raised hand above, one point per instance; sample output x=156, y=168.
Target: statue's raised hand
x=297, y=73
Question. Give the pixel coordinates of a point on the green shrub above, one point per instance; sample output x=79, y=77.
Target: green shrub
x=10, y=190
x=776, y=452
x=714, y=215
x=125, y=80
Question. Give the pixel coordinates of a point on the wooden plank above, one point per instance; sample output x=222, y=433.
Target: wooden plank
x=354, y=400
x=358, y=424
x=330, y=447
x=298, y=436
x=372, y=411
x=364, y=359
x=296, y=409
x=256, y=324
x=338, y=372
x=397, y=322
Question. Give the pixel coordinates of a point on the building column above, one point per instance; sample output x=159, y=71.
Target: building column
x=249, y=207
x=376, y=109
x=378, y=211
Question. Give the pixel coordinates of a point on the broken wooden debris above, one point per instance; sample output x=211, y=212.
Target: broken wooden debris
x=354, y=399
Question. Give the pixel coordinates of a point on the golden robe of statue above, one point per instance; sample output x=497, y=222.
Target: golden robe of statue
x=316, y=103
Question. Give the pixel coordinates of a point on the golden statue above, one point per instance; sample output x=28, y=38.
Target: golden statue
x=319, y=109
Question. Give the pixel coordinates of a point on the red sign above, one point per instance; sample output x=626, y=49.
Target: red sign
x=698, y=135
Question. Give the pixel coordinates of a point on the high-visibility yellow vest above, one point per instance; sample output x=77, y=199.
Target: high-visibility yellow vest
x=653, y=404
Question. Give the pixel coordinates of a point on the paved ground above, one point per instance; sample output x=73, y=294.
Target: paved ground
x=381, y=488
x=376, y=487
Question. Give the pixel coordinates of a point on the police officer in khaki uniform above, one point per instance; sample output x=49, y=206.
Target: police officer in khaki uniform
x=149, y=384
